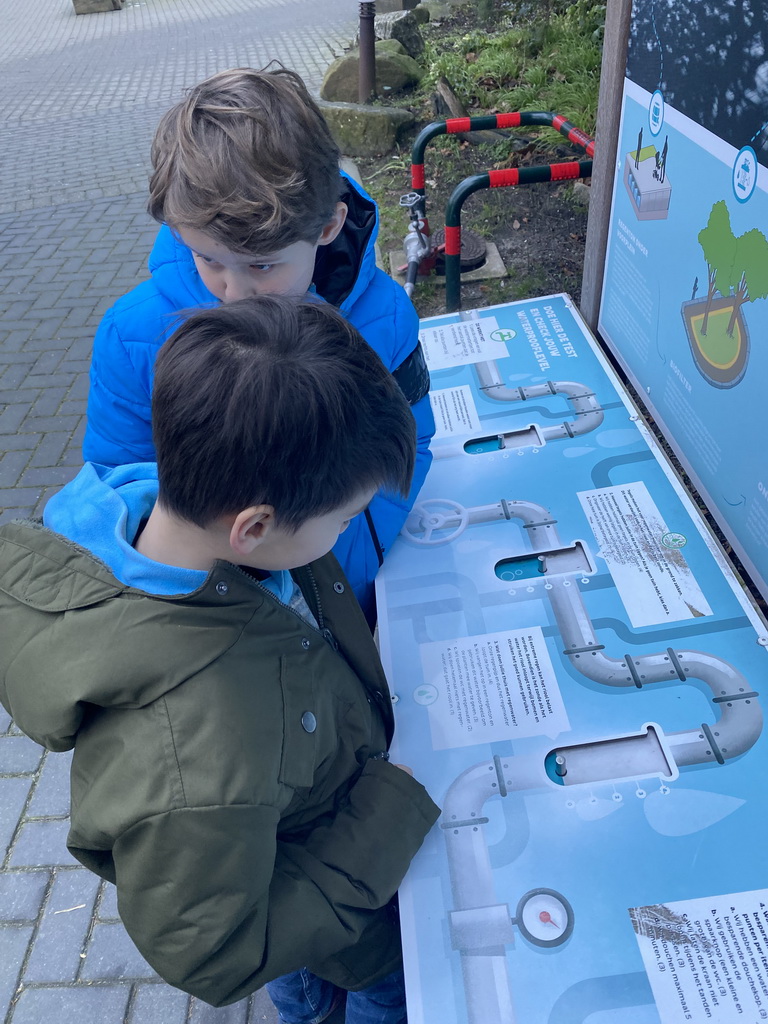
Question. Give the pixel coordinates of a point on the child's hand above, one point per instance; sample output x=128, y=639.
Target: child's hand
x=403, y=767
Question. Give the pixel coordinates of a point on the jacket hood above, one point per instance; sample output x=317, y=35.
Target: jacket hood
x=54, y=665
x=343, y=269
x=102, y=510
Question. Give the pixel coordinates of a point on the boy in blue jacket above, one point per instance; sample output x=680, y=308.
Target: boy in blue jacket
x=246, y=183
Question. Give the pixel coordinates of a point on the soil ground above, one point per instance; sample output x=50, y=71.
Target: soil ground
x=538, y=229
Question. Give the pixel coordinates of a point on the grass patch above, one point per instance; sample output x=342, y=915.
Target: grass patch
x=539, y=57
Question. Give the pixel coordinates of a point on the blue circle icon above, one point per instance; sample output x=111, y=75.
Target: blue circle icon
x=426, y=694
x=744, y=174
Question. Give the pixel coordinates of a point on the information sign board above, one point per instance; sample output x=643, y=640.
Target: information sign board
x=576, y=676
x=685, y=295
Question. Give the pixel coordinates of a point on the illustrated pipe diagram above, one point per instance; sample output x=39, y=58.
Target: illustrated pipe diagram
x=480, y=926
x=588, y=414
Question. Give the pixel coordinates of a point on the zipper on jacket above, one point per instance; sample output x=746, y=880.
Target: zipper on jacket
x=330, y=638
x=320, y=628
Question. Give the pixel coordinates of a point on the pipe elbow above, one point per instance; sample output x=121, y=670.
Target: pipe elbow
x=468, y=792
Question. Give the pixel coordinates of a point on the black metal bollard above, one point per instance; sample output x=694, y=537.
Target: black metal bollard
x=367, y=74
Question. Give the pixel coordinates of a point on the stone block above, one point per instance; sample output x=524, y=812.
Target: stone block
x=21, y=895
x=402, y=26
x=390, y=6
x=388, y=46
x=157, y=1002
x=103, y=1003
x=202, y=1013
x=41, y=843
x=13, y=796
x=112, y=955
x=436, y=10
x=51, y=796
x=96, y=6
x=13, y=946
x=395, y=72
x=61, y=936
x=19, y=755
x=108, y=906
x=362, y=130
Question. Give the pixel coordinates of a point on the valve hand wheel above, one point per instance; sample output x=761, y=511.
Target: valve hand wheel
x=435, y=521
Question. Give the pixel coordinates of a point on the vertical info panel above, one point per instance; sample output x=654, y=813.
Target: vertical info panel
x=576, y=677
x=685, y=297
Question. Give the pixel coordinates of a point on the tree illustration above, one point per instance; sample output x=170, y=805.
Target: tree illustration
x=749, y=279
x=719, y=245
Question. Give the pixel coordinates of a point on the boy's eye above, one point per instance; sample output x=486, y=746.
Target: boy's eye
x=262, y=267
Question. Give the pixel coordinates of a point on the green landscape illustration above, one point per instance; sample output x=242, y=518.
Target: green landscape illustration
x=737, y=273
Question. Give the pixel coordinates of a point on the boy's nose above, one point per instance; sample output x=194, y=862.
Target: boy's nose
x=239, y=285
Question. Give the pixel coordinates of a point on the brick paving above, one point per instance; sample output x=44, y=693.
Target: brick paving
x=79, y=99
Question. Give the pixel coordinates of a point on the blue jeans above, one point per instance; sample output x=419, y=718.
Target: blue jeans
x=303, y=998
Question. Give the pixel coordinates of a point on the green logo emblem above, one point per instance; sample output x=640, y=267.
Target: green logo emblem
x=503, y=334
x=674, y=540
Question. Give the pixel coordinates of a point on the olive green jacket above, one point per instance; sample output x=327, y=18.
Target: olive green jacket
x=224, y=774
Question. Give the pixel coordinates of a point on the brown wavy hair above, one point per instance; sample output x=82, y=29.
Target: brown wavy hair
x=248, y=159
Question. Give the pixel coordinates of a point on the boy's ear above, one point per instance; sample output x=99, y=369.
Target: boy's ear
x=250, y=528
x=334, y=225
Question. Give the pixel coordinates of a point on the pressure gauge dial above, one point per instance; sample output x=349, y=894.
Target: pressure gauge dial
x=544, y=917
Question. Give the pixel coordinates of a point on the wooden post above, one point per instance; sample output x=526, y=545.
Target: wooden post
x=617, y=19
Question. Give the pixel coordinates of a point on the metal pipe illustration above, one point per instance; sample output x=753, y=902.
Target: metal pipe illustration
x=480, y=926
x=589, y=414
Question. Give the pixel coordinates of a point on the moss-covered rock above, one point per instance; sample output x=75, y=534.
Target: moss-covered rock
x=387, y=6
x=388, y=46
x=403, y=26
x=437, y=11
x=395, y=72
x=363, y=130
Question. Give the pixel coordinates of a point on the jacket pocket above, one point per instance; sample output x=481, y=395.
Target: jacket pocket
x=303, y=724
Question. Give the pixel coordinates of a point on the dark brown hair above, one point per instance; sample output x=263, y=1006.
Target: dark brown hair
x=248, y=159
x=275, y=401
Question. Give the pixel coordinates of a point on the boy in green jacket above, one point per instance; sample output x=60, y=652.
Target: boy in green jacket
x=184, y=627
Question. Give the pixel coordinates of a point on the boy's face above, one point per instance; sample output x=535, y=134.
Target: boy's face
x=281, y=549
x=234, y=275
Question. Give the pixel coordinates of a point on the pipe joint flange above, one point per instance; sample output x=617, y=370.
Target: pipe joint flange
x=585, y=650
x=481, y=928
x=729, y=697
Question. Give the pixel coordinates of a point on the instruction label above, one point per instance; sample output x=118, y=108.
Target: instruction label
x=644, y=556
x=491, y=687
x=454, y=411
x=707, y=959
x=469, y=341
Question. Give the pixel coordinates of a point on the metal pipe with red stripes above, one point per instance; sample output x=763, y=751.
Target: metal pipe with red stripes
x=516, y=119
x=567, y=171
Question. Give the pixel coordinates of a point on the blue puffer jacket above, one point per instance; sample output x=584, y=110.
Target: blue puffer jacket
x=119, y=426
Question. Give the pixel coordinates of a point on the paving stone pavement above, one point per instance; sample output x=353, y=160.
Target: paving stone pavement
x=79, y=99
